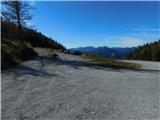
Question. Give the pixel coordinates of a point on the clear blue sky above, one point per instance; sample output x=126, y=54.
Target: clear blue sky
x=113, y=24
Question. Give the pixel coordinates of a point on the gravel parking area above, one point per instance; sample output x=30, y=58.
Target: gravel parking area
x=72, y=88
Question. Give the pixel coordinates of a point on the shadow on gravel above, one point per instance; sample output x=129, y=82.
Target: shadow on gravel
x=145, y=70
x=21, y=71
x=45, y=61
x=77, y=64
x=90, y=65
x=31, y=71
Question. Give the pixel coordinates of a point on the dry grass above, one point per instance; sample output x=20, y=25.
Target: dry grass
x=110, y=62
x=15, y=52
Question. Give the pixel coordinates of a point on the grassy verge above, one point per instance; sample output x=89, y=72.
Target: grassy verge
x=110, y=62
x=15, y=52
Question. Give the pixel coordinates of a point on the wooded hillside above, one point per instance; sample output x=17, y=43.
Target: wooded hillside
x=17, y=44
x=149, y=51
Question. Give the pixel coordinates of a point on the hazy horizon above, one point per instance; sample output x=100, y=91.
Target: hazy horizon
x=112, y=24
x=112, y=47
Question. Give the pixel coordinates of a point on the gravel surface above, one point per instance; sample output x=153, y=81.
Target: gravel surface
x=72, y=88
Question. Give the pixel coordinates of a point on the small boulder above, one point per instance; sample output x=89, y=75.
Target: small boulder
x=54, y=55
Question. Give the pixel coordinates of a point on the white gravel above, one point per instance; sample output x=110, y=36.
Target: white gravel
x=72, y=88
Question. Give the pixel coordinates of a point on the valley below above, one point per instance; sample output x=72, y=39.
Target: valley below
x=73, y=88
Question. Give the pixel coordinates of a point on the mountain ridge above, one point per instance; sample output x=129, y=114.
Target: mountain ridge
x=105, y=51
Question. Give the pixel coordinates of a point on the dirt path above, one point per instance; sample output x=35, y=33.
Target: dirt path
x=74, y=89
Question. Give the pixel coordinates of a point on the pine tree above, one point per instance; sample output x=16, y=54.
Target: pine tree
x=149, y=51
x=16, y=12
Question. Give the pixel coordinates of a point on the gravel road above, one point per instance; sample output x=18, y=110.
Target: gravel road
x=72, y=88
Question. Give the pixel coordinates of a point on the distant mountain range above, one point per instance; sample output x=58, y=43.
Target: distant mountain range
x=105, y=51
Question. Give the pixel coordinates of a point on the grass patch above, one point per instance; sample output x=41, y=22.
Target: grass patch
x=110, y=62
x=15, y=52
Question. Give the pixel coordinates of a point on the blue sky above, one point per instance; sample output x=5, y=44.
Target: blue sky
x=113, y=24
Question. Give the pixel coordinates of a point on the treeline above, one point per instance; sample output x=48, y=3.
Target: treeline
x=11, y=31
x=149, y=51
x=17, y=39
x=17, y=44
x=16, y=15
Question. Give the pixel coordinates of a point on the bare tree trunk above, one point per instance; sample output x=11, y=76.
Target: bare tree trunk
x=18, y=14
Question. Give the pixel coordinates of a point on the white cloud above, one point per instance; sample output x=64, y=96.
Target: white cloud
x=31, y=2
x=70, y=45
x=146, y=36
x=130, y=41
x=143, y=29
x=151, y=35
x=133, y=39
x=123, y=41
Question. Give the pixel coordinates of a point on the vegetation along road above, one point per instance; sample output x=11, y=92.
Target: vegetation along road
x=72, y=88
